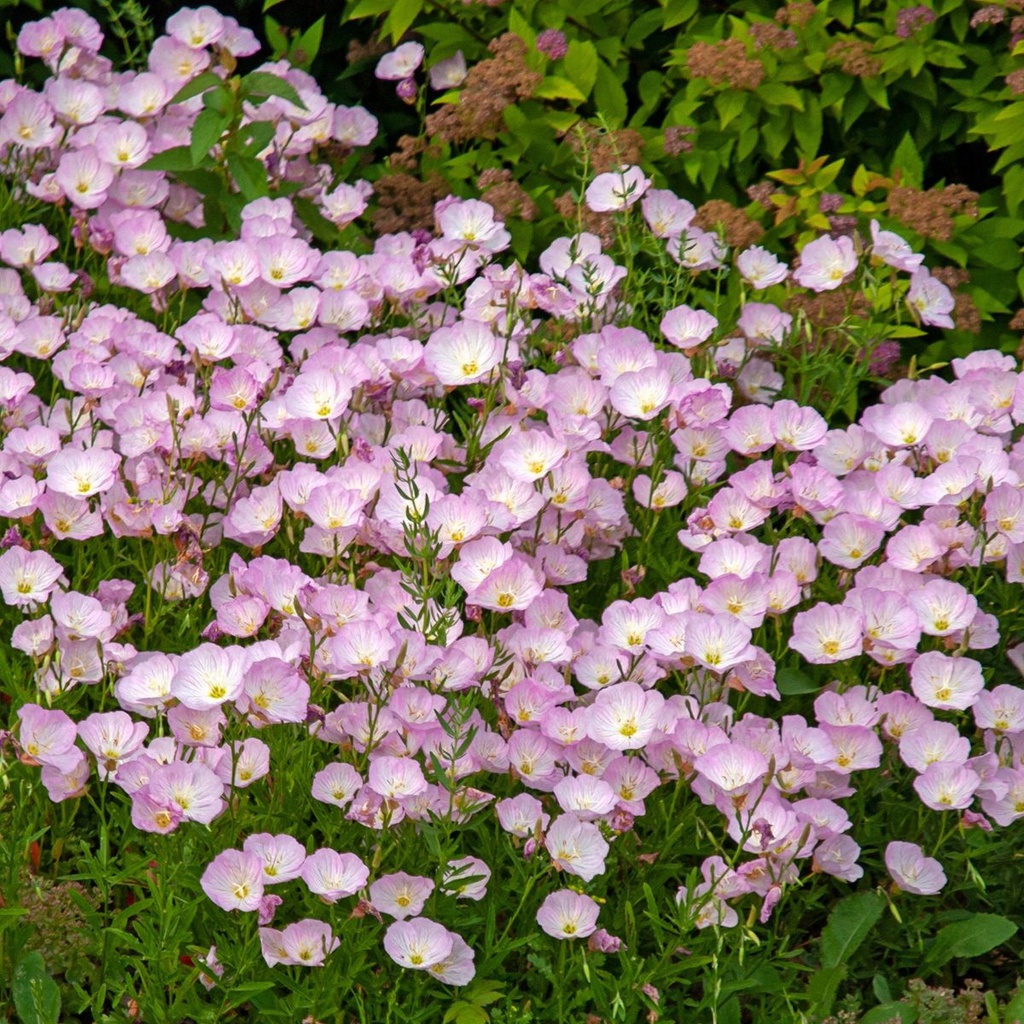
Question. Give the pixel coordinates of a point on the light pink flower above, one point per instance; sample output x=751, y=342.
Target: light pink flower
x=825, y=263
x=616, y=190
x=418, y=944
x=568, y=915
x=234, y=880
x=912, y=871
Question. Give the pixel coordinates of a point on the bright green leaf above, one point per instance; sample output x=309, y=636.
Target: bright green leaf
x=555, y=88
x=177, y=158
x=580, y=65
x=402, y=14
x=610, y=96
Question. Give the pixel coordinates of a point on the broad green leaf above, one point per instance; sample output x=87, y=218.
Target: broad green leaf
x=974, y=936
x=519, y=26
x=908, y=161
x=556, y=88
x=610, y=96
x=580, y=65
x=791, y=682
x=249, y=174
x=888, y=1012
x=781, y=95
x=307, y=46
x=402, y=14
x=849, y=925
x=807, y=128
x=730, y=104
x=370, y=8
x=678, y=11
x=824, y=986
x=260, y=84
x=36, y=996
x=207, y=130
x=178, y=158
x=199, y=84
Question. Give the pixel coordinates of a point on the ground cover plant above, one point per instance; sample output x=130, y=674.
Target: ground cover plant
x=400, y=630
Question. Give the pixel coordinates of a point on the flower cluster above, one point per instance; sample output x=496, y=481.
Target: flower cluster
x=381, y=421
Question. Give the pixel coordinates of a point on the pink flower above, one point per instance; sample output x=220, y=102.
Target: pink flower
x=48, y=737
x=400, y=895
x=234, y=881
x=568, y=915
x=82, y=472
x=332, y=875
x=912, y=871
x=576, y=847
x=400, y=63
x=949, y=684
x=281, y=856
x=209, y=676
x=828, y=633
x=27, y=577
x=624, y=716
x=930, y=300
x=466, y=878
x=308, y=943
x=761, y=268
x=418, y=944
x=84, y=178
x=465, y=353
x=947, y=787
x=616, y=190
x=890, y=248
x=825, y=263
x=471, y=222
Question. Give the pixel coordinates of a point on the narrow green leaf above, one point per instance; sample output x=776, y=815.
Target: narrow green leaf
x=307, y=46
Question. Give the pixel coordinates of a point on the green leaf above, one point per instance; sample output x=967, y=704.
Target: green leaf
x=791, y=682
x=678, y=11
x=824, y=986
x=887, y=1012
x=781, y=95
x=260, y=84
x=207, y=80
x=908, y=161
x=370, y=8
x=730, y=105
x=207, y=130
x=250, y=175
x=36, y=996
x=556, y=88
x=610, y=96
x=403, y=14
x=807, y=128
x=177, y=158
x=519, y=26
x=307, y=46
x=848, y=926
x=580, y=65
x=974, y=936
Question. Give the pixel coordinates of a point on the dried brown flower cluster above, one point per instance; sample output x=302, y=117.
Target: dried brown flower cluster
x=491, y=85
x=772, y=37
x=406, y=203
x=825, y=310
x=931, y=213
x=966, y=315
x=854, y=56
x=605, y=150
x=796, y=14
x=738, y=227
x=60, y=929
x=370, y=50
x=725, y=63
x=679, y=139
x=505, y=194
x=1015, y=80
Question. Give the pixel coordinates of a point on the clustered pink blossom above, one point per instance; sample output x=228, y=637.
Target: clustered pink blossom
x=346, y=360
